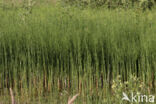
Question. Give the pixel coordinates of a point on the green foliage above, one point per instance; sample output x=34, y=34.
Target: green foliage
x=146, y=4
x=133, y=85
x=143, y=4
x=53, y=50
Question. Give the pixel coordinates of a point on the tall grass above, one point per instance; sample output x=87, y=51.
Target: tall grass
x=56, y=49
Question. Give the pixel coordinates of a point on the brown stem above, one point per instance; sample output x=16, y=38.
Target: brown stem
x=12, y=97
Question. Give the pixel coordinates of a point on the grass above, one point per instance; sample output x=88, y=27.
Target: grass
x=53, y=52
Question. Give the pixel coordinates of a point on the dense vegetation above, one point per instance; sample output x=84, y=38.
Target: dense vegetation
x=49, y=52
